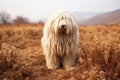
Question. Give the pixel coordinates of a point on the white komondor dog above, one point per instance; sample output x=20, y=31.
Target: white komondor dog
x=60, y=40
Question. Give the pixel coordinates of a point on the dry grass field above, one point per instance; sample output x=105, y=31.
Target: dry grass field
x=21, y=54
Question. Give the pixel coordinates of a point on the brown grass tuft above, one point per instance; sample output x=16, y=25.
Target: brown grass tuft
x=21, y=54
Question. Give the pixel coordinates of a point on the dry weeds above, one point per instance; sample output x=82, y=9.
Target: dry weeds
x=21, y=54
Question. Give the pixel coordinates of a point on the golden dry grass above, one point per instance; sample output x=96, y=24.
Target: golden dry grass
x=21, y=54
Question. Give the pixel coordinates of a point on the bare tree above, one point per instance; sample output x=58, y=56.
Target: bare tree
x=4, y=17
x=21, y=19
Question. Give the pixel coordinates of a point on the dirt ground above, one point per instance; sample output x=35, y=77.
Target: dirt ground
x=21, y=56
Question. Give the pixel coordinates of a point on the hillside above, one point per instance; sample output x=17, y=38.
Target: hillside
x=85, y=15
x=106, y=18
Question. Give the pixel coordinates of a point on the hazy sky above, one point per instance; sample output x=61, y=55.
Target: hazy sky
x=39, y=9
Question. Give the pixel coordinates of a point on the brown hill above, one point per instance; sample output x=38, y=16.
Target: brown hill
x=106, y=18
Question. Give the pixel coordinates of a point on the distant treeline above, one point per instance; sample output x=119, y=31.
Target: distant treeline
x=5, y=18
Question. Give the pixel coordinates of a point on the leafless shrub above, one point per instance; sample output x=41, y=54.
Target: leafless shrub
x=4, y=17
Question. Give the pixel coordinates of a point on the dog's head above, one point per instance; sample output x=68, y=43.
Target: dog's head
x=62, y=22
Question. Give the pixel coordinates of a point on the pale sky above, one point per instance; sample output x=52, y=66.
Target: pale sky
x=40, y=9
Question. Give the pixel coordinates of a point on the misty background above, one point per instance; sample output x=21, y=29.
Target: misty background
x=40, y=10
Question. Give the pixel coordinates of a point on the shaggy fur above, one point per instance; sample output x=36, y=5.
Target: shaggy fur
x=60, y=40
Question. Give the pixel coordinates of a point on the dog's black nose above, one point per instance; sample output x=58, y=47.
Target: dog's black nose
x=62, y=26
